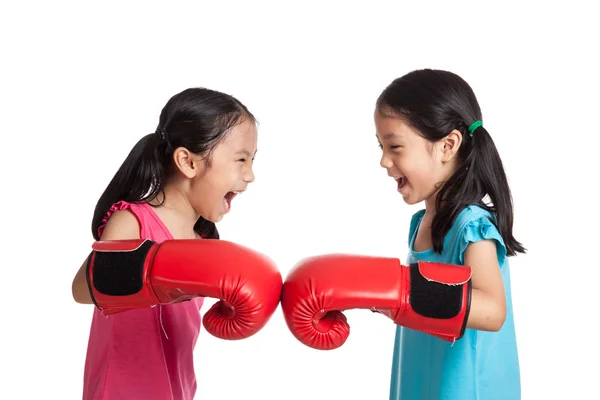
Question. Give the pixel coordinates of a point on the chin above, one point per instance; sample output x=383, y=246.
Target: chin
x=215, y=218
x=411, y=201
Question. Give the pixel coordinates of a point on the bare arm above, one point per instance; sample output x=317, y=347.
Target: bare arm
x=122, y=225
x=488, y=301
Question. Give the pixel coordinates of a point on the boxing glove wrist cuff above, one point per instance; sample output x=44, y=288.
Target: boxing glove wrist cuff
x=116, y=269
x=442, y=293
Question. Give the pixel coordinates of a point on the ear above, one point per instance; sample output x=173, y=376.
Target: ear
x=186, y=162
x=450, y=145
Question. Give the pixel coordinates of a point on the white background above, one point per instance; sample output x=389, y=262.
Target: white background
x=81, y=83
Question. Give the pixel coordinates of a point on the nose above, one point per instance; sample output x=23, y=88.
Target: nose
x=249, y=175
x=385, y=162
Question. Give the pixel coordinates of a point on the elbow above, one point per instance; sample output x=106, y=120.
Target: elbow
x=80, y=293
x=79, y=287
x=487, y=316
x=497, y=319
x=75, y=292
x=496, y=324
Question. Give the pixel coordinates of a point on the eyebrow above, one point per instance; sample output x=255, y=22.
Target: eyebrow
x=246, y=153
x=387, y=136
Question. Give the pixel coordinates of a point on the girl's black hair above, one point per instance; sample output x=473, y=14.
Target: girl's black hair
x=197, y=119
x=436, y=102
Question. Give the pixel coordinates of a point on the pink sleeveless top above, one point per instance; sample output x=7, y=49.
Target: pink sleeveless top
x=143, y=353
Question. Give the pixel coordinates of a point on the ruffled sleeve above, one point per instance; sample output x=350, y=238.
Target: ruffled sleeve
x=414, y=225
x=481, y=229
x=118, y=206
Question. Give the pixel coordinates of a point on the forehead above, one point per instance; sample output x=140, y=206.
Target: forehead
x=389, y=127
x=243, y=136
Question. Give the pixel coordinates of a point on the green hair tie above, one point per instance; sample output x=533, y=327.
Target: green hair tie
x=474, y=126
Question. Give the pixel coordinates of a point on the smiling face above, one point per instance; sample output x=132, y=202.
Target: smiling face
x=418, y=166
x=229, y=173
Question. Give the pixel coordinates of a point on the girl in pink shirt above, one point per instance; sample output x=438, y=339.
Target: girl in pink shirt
x=176, y=183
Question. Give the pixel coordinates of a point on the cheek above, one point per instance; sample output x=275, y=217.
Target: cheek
x=412, y=163
x=418, y=166
x=207, y=188
x=223, y=177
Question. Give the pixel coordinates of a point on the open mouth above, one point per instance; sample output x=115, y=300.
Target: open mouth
x=229, y=198
x=402, y=182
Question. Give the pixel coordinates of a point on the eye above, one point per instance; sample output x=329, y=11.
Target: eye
x=394, y=147
x=380, y=145
x=242, y=160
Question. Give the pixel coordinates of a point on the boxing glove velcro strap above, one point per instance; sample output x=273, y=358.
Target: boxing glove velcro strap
x=436, y=290
x=118, y=266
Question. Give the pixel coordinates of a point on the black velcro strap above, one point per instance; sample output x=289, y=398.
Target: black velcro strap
x=119, y=273
x=433, y=299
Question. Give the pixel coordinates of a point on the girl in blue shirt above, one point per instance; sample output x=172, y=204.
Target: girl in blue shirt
x=451, y=298
x=434, y=145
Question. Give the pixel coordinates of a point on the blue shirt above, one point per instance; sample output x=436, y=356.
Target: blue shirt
x=479, y=366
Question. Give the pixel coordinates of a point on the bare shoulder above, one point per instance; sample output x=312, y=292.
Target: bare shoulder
x=122, y=225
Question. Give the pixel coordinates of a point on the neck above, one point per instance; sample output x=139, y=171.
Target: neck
x=176, y=211
x=430, y=208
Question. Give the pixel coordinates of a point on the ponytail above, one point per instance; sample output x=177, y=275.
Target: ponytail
x=141, y=177
x=481, y=174
x=207, y=229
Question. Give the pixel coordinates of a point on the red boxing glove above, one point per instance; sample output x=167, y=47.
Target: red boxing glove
x=429, y=297
x=127, y=274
